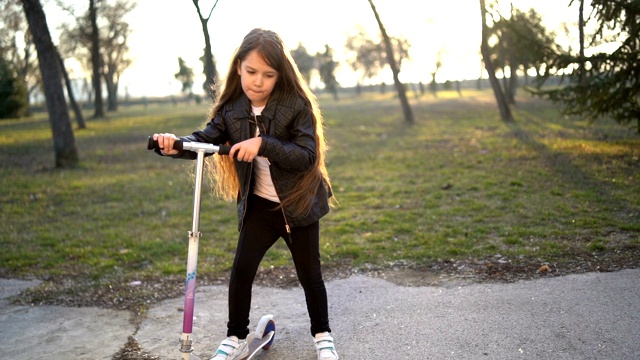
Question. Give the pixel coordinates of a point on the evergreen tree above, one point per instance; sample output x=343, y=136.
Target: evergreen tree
x=13, y=93
x=605, y=83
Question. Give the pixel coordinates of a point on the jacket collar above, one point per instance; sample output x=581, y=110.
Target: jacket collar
x=242, y=108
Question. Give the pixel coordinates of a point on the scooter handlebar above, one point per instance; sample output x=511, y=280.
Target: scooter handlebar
x=192, y=146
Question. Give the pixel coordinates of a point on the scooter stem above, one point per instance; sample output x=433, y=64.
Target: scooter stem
x=186, y=340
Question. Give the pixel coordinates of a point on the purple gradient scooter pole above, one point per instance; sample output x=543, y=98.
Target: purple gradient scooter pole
x=186, y=340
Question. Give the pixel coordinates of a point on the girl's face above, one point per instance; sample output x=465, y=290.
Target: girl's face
x=257, y=78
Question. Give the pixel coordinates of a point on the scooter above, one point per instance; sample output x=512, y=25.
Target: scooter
x=264, y=335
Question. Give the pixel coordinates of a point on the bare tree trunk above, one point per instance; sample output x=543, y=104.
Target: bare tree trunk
x=96, y=61
x=406, y=108
x=209, y=66
x=66, y=154
x=210, y=71
x=112, y=93
x=72, y=99
x=503, y=106
x=581, y=31
x=513, y=88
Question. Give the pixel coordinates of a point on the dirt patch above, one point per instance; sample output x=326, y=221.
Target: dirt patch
x=503, y=269
x=137, y=294
x=132, y=351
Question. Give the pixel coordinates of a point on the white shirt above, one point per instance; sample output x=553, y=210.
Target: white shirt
x=263, y=186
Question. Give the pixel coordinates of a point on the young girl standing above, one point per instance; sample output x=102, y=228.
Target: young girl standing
x=276, y=172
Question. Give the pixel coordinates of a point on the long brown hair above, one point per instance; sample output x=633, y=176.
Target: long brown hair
x=221, y=169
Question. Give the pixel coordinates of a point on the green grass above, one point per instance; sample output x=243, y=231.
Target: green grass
x=458, y=184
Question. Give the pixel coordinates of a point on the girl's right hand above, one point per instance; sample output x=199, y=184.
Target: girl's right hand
x=165, y=143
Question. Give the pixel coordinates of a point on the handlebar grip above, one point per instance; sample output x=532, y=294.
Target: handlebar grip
x=153, y=144
x=224, y=149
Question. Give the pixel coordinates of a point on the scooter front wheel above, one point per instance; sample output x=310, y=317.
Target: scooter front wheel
x=265, y=326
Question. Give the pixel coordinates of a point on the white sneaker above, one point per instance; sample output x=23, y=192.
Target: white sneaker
x=231, y=349
x=324, y=346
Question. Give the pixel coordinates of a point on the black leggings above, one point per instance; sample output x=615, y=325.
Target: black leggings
x=263, y=225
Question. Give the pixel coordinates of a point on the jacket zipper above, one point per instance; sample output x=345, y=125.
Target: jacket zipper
x=286, y=225
x=246, y=196
x=286, y=222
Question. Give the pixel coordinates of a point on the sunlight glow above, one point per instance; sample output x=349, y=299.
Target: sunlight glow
x=164, y=31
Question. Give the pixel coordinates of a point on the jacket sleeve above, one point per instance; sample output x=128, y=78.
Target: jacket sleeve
x=213, y=133
x=298, y=153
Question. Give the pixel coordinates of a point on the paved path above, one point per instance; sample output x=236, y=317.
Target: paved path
x=587, y=316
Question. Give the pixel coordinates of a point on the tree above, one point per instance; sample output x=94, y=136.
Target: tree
x=395, y=68
x=96, y=62
x=210, y=71
x=76, y=40
x=327, y=67
x=185, y=76
x=370, y=56
x=503, y=105
x=72, y=99
x=115, y=56
x=13, y=100
x=521, y=42
x=581, y=41
x=16, y=46
x=66, y=154
x=306, y=63
x=503, y=55
x=433, y=85
x=24, y=60
x=606, y=83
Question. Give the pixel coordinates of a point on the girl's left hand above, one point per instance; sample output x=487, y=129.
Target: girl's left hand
x=246, y=150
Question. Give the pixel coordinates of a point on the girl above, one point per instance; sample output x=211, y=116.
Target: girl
x=276, y=171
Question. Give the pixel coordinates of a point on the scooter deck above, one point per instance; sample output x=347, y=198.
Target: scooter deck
x=256, y=344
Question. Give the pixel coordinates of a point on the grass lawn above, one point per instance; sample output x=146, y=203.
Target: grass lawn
x=458, y=185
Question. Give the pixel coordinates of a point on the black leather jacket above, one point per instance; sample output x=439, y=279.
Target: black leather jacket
x=288, y=141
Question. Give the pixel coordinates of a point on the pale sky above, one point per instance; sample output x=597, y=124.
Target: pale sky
x=166, y=30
